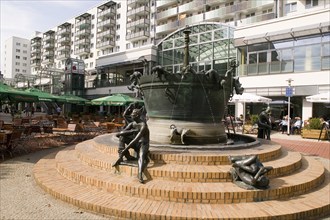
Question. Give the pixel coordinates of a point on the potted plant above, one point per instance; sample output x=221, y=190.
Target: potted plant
x=250, y=126
x=313, y=129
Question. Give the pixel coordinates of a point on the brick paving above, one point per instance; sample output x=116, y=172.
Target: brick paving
x=311, y=147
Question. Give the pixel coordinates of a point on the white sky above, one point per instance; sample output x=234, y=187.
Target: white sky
x=21, y=18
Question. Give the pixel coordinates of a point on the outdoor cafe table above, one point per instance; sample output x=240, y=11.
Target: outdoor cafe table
x=5, y=137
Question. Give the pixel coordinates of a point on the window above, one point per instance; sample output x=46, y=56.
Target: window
x=18, y=57
x=17, y=70
x=118, y=37
x=118, y=5
x=24, y=58
x=128, y=46
x=312, y=3
x=18, y=50
x=118, y=16
x=24, y=45
x=91, y=64
x=18, y=44
x=17, y=63
x=24, y=51
x=291, y=7
x=118, y=26
x=250, y=15
x=24, y=71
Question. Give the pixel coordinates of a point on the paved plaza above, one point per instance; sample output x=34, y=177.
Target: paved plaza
x=21, y=198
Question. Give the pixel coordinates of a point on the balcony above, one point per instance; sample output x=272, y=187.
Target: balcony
x=166, y=14
x=35, y=50
x=49, y=45
x=106, y=23
x=83, y=32
x=35, y=63
x=259, y=18
x=83, y=23
x=141, y=35
x=191, y=20
x=106, y=33
x=48, y=38
x=81, y=51
x=105, y=44
x=48, y=60
x=36, y=56
x=191, y=7
x=48, y=53
x=35, y=43
x=63, y=56
x=64, y=48
x=165, y=3
x=84, y=41
x=63, y=39
x=166, y=28
x=132, y=3
x=138, y=23
x=64, y=31
x=107, y=12
x=245, y=6
x=144, y=10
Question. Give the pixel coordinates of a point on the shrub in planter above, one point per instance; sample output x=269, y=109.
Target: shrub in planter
x=313, y=129
x=314, y=123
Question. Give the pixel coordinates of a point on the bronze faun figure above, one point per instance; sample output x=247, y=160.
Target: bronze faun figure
x=248, y=172
x=136, y=136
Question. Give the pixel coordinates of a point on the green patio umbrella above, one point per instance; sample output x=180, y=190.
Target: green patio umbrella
x=75, y=99
x=45, y=96
x=12, y=94
x=115, y=100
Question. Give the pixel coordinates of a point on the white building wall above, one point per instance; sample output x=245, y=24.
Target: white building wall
x=16, y=57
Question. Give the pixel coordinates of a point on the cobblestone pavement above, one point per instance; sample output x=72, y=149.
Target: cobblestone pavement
x=22, y=199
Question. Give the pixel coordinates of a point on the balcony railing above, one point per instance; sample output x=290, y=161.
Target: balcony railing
x=83, y=32
x=49, y=45
x=81, y=51
x=36, y=44
x=139, y=11
x=33, y=63
x=138, y=23
x=83, y=41
x=47, y=60
x=64, y=48
x=35, y=50
x=166, y=14
x=138, y=35
x=106, y=23
x=36, y=56
x=83, y=22
x=164, y=3
x=49, y=38
x=106, y=33
x=63, y=39
x=107, y=12
x=104, y=44
x=48, y=53
x=191, y=6
x=64, y=31
x=63, y=56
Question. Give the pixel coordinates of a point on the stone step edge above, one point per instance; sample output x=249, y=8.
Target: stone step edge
x=191, y=173
x=265, y=153
x=314, y=204
x=187, y=192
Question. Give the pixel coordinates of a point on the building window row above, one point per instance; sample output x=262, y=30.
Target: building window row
x=299, y=55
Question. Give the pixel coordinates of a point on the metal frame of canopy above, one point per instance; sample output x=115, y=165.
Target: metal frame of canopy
x=45, y=96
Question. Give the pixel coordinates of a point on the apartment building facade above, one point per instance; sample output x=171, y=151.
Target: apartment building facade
x=16, y=57
x=119, y=37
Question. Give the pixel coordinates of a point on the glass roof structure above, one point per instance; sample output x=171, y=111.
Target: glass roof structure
x=211, y=46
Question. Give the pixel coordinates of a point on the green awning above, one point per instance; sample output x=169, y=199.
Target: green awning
x=12, y=94
x=75, y=99
x=115, y=100
x=44, y=96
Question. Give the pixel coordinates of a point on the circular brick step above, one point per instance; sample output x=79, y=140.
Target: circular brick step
x=287, y=163
x=309, y=176
x=311, y=205
x=108, y=144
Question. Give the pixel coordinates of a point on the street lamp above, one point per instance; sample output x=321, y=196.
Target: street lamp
x=288, y=93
